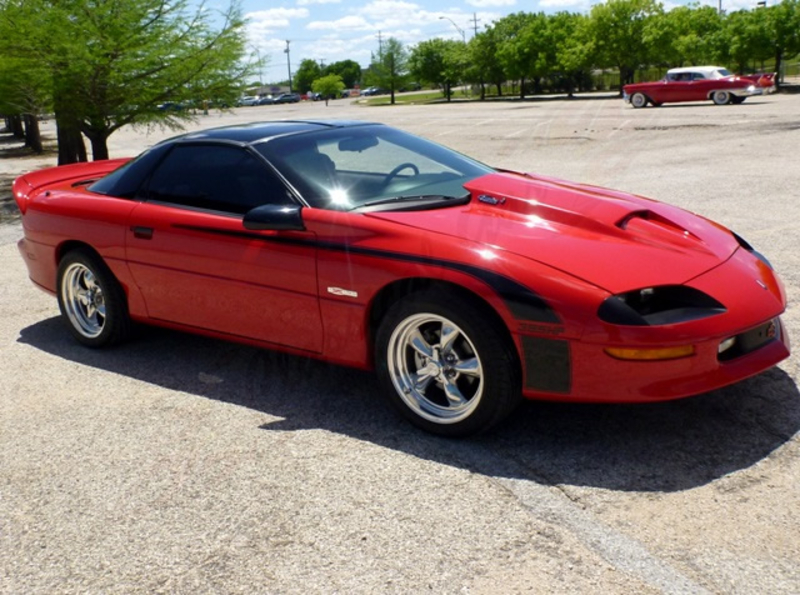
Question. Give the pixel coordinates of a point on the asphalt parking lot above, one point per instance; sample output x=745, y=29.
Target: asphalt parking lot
x=182, y=464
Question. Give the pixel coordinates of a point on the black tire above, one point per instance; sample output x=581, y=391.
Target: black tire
x=91, y=301
x=477, y=367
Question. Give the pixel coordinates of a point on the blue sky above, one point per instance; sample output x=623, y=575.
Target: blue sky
x=333, y=30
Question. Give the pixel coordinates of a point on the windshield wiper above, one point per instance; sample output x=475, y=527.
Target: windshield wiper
x=410, y=198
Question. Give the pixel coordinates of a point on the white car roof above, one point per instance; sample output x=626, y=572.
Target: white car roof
x=703, y=69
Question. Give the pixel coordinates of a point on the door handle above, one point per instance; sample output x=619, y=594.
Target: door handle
x=143, y=233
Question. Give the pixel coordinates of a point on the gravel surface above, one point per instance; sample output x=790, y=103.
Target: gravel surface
x=182, y=464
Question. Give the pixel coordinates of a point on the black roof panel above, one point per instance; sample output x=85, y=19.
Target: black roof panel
x=256, y=131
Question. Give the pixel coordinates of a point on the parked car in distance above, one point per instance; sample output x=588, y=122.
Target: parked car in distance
x=287, y=98
x=248, y=100
x=268, y=100
x=465, y=287
x=373, y=91
x=699, y=83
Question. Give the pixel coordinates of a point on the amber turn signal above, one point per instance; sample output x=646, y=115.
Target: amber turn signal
x=661, y=353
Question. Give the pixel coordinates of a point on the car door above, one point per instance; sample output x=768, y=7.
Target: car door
x=197, y=265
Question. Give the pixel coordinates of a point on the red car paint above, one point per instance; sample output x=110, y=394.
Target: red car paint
x=574, y=245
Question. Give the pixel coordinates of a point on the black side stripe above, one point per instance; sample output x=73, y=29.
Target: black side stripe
x=523, y=303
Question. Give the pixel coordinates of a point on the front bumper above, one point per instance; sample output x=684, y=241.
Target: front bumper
x=597, y=377
x=754, y=298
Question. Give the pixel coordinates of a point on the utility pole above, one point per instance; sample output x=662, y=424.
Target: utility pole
x=380, y=47
x=288, y=65
x=475, y=21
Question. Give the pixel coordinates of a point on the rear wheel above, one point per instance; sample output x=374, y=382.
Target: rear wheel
x=91, y=300
x=444, y=366
x=638, y=100
x=721, y=97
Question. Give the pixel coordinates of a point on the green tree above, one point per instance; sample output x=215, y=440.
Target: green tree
x=111, y=62
x=618, y=30
x=567, y=35
x=747, y=38
x=685, y=35
x=306, y=74
x=349, y=70
x=486, y=67
x=330, y=85
x=514, y=55
x=783, y=27
x=439, y=62
x=24, y=94
x=389, y=68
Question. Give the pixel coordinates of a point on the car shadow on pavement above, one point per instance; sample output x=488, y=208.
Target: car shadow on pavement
x=666, y=446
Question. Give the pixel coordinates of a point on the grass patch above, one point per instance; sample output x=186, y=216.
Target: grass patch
x=413, y=98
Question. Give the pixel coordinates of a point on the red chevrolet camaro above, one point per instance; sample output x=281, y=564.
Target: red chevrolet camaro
x=699, y=83
x=466, y=287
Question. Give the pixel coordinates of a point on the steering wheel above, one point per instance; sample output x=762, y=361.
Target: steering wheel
x=393, y=174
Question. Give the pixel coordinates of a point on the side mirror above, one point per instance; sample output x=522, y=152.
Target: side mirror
x=275, y=218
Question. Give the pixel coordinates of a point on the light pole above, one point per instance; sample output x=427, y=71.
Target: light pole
x=459, y=29
x=288, y=65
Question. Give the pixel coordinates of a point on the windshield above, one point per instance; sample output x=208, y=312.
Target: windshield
x=346, y=168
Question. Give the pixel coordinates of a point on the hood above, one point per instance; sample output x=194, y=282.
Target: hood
x=610, y=239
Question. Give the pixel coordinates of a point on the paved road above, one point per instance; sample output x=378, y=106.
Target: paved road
x=182, y=464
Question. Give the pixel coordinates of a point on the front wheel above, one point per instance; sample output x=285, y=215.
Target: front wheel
x=444, y=366
x=721, y=97
x=638, y=100
x=91, y=300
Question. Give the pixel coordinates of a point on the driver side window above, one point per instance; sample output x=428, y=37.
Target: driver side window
x=216, y=178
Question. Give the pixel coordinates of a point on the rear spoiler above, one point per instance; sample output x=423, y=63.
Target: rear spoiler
x=25, y=186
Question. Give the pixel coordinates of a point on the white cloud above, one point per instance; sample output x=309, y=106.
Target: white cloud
x=351, y=23
x=270, y=13
x=484, y=3
x=562, y=3
x=263, y=24
x=309, y=2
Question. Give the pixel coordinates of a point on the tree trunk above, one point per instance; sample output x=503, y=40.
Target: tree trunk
x=778, y=59
x=499, y=86
x=33, y=138
x=447, y=91
x=99, y=146
x=16, y=127
x=483, y=90
x=70, y=142
x=522, y=88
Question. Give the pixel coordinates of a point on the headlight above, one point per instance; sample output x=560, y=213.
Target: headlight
x=652, y=306
x=746, y=245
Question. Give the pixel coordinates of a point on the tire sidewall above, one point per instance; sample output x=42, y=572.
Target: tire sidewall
x=638, y=97
x=501, y=389
x=723, y=94
x=115, y=326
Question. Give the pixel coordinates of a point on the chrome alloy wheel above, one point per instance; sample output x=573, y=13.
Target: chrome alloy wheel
x=435, y=368
x=83, y=299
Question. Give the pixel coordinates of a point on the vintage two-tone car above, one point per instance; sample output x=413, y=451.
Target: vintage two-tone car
x=466, y=287
x=699, y=83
